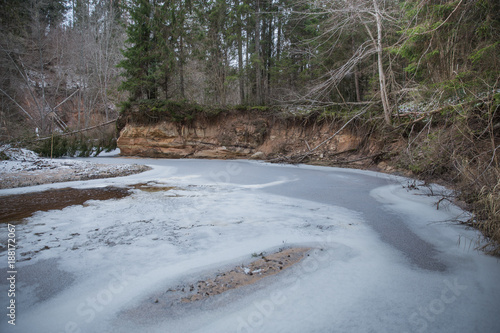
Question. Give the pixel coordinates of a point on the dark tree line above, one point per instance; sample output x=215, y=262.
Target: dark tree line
x=58, y=62
x=282, y=51
x=231, y=51
x=67, y=63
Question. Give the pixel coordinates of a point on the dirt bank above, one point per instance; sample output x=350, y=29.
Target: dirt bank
x=252, y=134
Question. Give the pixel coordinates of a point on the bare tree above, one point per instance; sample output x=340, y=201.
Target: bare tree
x=62, y=75
x=107, y=37
x=29, y=61
x=89, y=65
x=346, y=15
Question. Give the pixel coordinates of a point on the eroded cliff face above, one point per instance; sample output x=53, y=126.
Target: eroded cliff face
x=252, y=136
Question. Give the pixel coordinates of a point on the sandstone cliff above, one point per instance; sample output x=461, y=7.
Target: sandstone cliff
x=254, y=135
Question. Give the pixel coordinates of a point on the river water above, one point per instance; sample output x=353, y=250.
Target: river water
x=384, y=258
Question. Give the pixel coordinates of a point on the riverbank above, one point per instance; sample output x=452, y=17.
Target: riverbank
x=22, y=167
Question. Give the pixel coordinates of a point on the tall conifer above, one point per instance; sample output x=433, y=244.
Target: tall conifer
x=140, y=61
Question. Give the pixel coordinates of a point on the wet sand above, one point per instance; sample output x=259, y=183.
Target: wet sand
x=14, y=208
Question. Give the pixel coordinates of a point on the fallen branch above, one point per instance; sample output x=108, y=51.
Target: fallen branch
x=307, y=144
x=316, y=103
x=79, y=131
x=331, y=137
x=352, y=150
x=423, y=115
x=18, y=105
x=66, y=99
x=361, y=158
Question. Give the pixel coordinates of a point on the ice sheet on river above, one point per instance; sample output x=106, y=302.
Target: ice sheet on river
x=82, y=269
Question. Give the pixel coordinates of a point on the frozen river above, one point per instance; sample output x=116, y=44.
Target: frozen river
x=383, y=258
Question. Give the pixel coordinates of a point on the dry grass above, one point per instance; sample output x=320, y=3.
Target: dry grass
x=488, y=209
x=462, y=149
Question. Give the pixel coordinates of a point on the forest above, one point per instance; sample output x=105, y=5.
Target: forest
x=88, y=56
x=424, y=71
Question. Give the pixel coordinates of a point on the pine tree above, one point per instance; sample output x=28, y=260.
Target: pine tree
x=140, y=63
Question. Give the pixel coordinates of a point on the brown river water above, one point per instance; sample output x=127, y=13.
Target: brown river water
x=14, y=208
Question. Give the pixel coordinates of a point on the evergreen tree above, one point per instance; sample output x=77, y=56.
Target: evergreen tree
x=141, y=57
x=448, y=43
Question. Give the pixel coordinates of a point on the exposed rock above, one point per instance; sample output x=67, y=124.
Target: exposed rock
x=234, y=135
x=258, y=156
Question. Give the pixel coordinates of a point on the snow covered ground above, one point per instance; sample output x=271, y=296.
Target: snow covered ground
x=384, y=259
x=26, y=168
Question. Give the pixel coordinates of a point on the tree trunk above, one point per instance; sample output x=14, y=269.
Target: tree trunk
x=269, y=56
x=278, y=42
x=181, y=66
x=165, y=84
x=248, y=84
x=258, y=70
x=356, y=84
x=240, y=56
x=381, y=73
x=356, y=75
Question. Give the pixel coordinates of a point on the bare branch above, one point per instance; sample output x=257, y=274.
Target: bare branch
x=13, y=100
x=79, y=131
x=67, y=98
x=331, y=137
